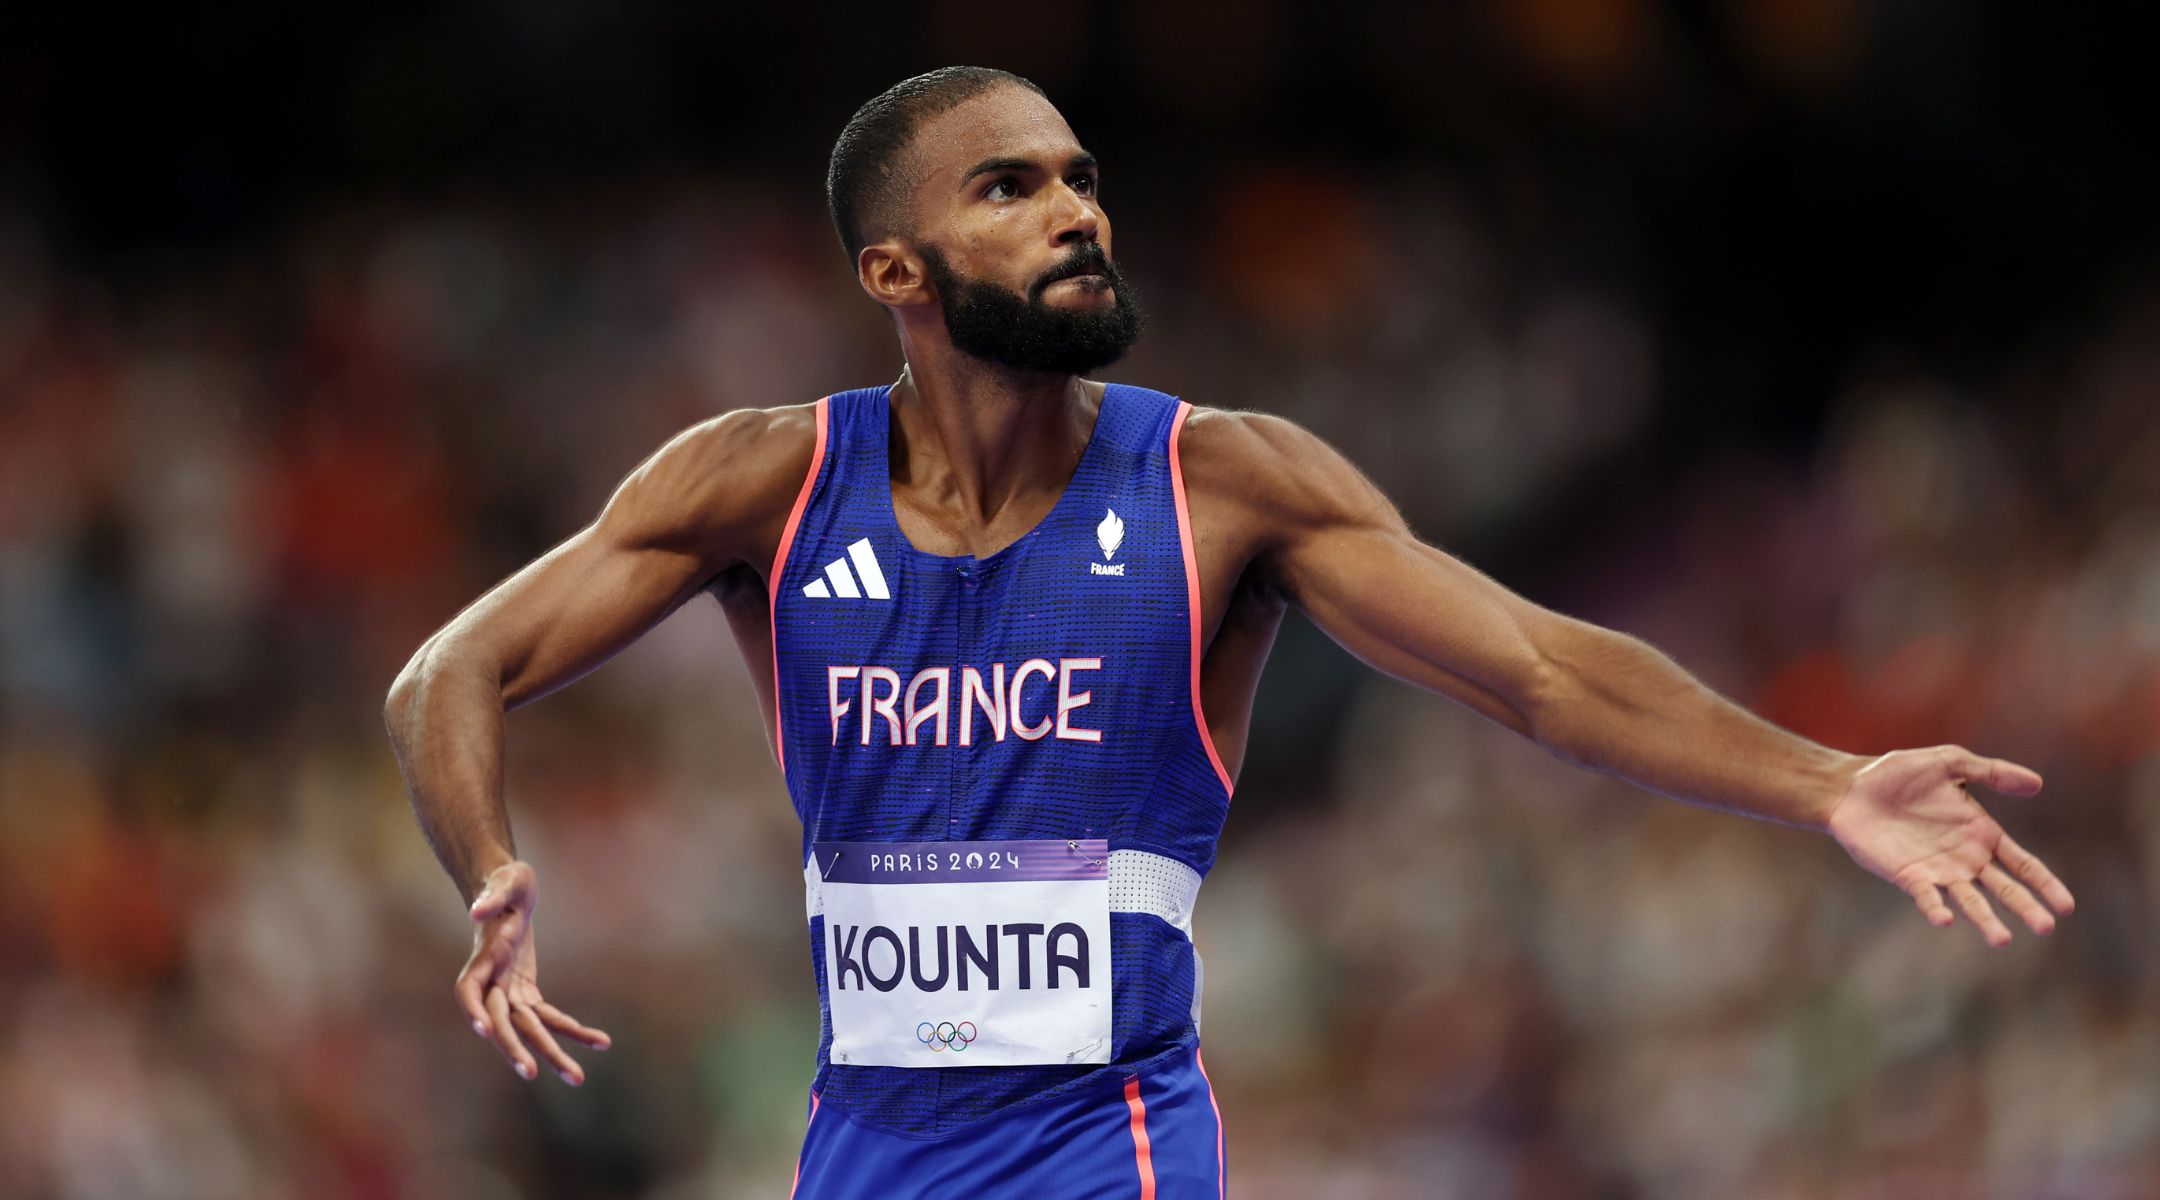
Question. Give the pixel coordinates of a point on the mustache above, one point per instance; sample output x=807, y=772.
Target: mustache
x=1087, y=258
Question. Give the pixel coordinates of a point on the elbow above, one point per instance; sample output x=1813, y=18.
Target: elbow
x=1538, y=699
x=408, y=690
x=444, y=663
x=1595, y=690
x=1551, y=702
x=404, y=694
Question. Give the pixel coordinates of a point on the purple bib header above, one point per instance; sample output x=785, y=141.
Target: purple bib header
x=963, y=862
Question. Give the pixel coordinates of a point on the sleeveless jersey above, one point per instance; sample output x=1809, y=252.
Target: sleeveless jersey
x=1049, y=691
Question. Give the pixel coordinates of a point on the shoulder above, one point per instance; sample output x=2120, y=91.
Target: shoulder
x=748, y=445
x=1273, y=469
x=715, y=487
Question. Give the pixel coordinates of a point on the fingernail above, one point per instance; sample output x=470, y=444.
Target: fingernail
x=524, y=1072
x=479, y=1028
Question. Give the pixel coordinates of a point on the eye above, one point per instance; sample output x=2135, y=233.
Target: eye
x=1083, y=184
x=1004, y=189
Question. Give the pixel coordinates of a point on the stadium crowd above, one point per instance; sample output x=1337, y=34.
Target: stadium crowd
x=1438, y=961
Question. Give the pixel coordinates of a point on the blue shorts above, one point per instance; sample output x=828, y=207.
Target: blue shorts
x=1156, y=1137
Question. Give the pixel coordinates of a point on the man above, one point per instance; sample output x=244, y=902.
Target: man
x=1006, y=624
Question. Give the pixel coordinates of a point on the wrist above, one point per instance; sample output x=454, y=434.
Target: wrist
x=487, y=864
x=1834, y=785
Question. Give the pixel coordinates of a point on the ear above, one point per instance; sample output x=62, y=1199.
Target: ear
x=894, y=274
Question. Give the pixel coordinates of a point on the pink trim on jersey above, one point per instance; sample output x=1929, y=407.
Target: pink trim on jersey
x=1221, y=1179
x=772, y=594
x=1143, y=1155
x=1192, y=591
x=806, y=1132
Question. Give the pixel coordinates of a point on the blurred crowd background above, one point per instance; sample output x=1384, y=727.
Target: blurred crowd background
x=1814, y=341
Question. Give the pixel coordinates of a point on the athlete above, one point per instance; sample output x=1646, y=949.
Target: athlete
x=1006, y=623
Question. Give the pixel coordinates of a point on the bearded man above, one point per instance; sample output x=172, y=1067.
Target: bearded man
x=1006, y=623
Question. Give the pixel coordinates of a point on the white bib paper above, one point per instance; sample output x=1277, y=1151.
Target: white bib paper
x=965, y=954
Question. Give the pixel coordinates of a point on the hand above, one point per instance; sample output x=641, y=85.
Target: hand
x=1907, y=817
x=499, y=989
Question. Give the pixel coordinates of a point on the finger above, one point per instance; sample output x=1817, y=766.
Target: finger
x=506, y=1038
x=535, y=1031
x=2015, y=898
x=1975, y=907
x=571, y=1027
x=2034, y=874
x=471, y=992
x=1930, y=901
x=492, y=951
x=1996, y=774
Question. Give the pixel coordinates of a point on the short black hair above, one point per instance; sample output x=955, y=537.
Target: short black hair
x=865, y=185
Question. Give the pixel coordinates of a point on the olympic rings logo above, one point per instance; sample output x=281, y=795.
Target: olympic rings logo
x=944, y=1035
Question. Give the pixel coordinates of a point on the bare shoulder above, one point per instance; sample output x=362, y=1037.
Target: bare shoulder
x=1273, y=472
x=719, y=489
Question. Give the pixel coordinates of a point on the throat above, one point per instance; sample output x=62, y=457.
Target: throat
x=945, y=527
x=971, y=477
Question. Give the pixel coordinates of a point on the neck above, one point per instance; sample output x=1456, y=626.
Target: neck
x=976, y=436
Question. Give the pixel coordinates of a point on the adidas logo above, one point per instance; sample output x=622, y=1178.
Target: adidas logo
x=843, y=580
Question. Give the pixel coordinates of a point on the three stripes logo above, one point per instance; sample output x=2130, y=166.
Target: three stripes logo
x=841, y=582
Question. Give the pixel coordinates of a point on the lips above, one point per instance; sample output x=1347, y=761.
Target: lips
x=1094, y=266
x=1089, y=276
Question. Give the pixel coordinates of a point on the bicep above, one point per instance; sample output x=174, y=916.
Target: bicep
x=1427, y=618
x=696, y=507
x=573, y=608
x=1344, y=555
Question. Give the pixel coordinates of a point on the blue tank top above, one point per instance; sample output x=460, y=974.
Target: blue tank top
x=1089, y=621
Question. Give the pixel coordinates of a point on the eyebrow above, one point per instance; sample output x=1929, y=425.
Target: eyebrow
x=1080, y=161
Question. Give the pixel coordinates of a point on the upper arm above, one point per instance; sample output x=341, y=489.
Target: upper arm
x=1326, y=538
x=714, y=497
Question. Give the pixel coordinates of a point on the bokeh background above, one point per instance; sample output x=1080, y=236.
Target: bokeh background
x=1817, y=342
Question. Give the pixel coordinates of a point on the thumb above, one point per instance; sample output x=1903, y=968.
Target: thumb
x=504, y=887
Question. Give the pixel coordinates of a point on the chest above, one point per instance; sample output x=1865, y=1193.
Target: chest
x=1102, y=571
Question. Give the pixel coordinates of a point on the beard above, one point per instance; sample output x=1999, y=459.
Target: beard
x=998, y=325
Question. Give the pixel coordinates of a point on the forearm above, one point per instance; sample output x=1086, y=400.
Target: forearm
x=445, y=717
x=1617, y=705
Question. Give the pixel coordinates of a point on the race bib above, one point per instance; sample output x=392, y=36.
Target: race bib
x=965, y=954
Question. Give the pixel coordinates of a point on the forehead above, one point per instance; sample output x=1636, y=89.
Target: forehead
x=1004, y=122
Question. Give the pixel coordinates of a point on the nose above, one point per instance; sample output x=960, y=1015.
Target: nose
x=1075, y=218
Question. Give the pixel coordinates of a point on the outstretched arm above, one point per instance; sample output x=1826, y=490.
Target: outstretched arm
x=712, y=498
x=1333, y=544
